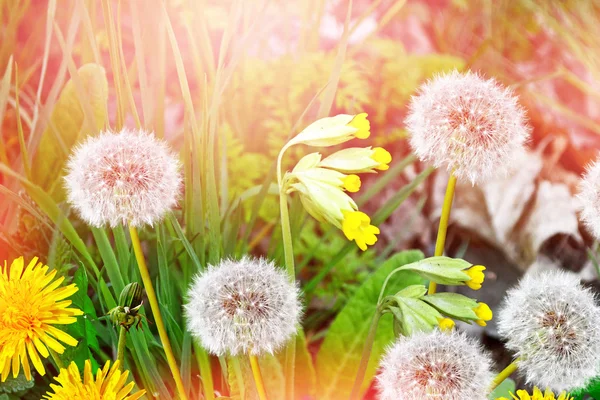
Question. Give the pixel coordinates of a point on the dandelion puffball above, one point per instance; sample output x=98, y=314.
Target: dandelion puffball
x=589, y=194
x=467, y=124
x=551, y=323
x=437, y=365
x=119, y=178
x=243, y=306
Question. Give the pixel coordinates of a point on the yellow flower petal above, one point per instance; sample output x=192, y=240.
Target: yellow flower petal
x=477, y=276
x=484, y=313
x=357, y=226
x=352, y=183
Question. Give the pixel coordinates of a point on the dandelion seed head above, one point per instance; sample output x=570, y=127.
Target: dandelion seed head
x=241, y=306
x=551, y=322
x=467, y=124
x=125, y=177
x=589, y=194
x=439, y=365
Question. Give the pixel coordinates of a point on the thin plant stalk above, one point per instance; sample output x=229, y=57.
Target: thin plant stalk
x=504, y=374
x=121, y=347
x=288, y=249
x=56, y=358
x=443, y=227
x=364, y=359
x=160, y=325
x=260, y=386
x=205, y=372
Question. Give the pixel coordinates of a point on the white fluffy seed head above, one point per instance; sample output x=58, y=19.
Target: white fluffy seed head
x=589, y=194
x=119, y=178
x=435, y=365
x=467, y=124
x=551, y=322
x=243, y=306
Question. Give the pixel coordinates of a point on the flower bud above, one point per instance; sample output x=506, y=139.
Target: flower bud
x=448, y=271
x=358, y=160
x=333, y=130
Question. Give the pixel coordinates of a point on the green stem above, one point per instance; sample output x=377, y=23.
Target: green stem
x=121, y=347
x=502, y=376
x=288, y=249
x=364, y=359
x=205, y=372
x=443, y=227
x=160, y=325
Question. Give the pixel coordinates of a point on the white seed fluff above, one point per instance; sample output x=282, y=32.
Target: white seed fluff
x=125, y=177
x=552, y=324
x=243, y=306
x=589, y=194
x=435, y=365
x=467, y=124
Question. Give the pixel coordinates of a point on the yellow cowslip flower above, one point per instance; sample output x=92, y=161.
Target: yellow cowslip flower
x=357, y=226
x=31, y=303
x=109, y=383
x=333, y=130
x=477, y=276
x=358, y=160
x=446, y=324
x=484, y=313
x=537, y=395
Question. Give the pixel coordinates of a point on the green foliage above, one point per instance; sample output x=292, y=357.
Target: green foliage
x=504, y=390
x=338, y=357
x=592, y=390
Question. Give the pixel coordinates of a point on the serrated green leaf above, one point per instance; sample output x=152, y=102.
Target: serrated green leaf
x=13, y=385
x=338, y=358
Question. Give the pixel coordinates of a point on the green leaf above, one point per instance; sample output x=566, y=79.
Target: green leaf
x=83, y=330
x=67, y=124
x=504, y=390
x=305, y=376
x=416, y=316
x=338, y=358
x=13, y=385
x=592, y=389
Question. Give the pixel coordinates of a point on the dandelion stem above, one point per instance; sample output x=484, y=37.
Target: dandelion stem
x=160, y=325
x=443, y=227
x=364, y=359
x=260, y=386
x=288, y=249
x=506, y=372
x=121, y=347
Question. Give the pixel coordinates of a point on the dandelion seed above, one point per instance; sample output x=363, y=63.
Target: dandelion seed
x=551, y=323
x=108, y=384
x=31, y=304
x=589, y=194
x=256, y=312
x=119, y=178
x=443, y=365
x=468, y=125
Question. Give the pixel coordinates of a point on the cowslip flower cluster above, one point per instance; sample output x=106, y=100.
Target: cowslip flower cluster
x=589, y=194
x=129, y=177
x=443, y=365
x=471, y=126
x=109, y=383
x=322, y=184
x=245, y=306
x=31, y=304
x=551, y=322
x=537, y=394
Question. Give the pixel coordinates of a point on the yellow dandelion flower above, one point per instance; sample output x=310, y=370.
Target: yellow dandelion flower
x=477, y=276
x=109, y=384
x=537, y=395
x=484, y=313
x=357, y=226
x=31, y=303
